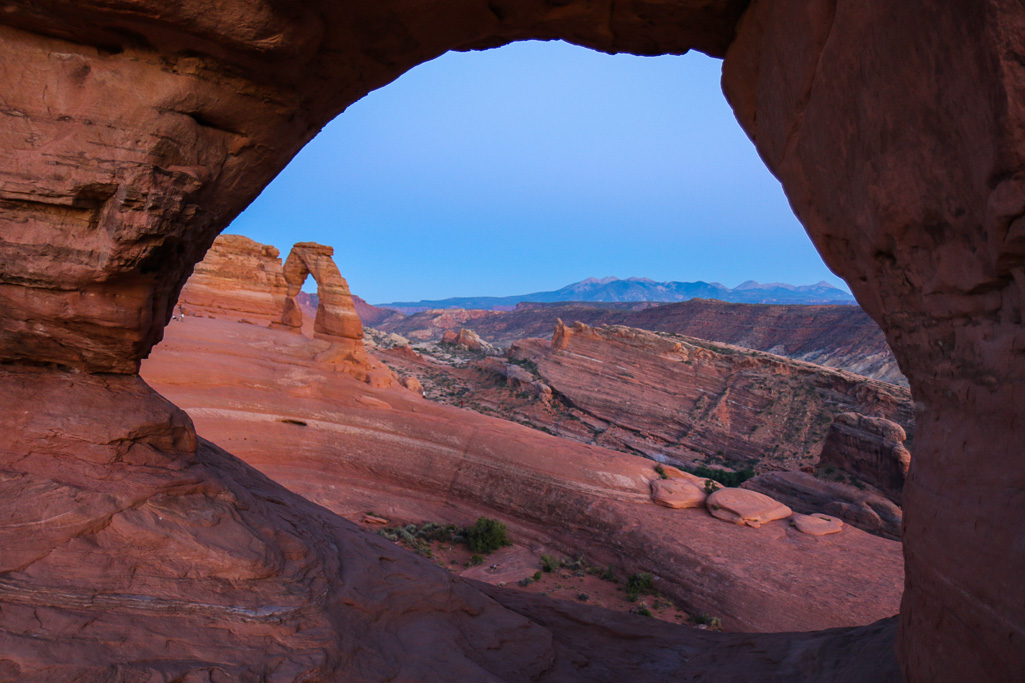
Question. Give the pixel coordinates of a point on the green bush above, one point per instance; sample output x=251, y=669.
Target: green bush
x=724, y=477
x=661, y=471
x=549, y=563
x=639, y=583
x=475, y=560
x=487, y=535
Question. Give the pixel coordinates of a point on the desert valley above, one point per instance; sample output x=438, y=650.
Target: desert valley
x=584, y=444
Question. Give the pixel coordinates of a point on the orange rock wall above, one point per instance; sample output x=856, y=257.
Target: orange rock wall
x=238, y=279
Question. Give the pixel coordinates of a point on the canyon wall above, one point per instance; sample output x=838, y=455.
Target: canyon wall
x=842, y=337
x=136, y=130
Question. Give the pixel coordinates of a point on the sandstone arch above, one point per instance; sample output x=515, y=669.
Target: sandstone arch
x=135, y=131
x=336, y=314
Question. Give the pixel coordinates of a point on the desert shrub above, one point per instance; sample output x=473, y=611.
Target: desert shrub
x=711, y=486
x=537, y=576
x=475, y=560
x=609, y=574
x=661, y=471
x=639, y=583
x=549, y=563
x=644, y=611
x=583, y=597
x=711, y=623
x=724, y=477
x=487, y=535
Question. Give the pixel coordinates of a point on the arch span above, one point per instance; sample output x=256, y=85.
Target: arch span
x=135, y=131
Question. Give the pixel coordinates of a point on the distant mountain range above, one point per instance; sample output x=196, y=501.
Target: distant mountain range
x=611, y=289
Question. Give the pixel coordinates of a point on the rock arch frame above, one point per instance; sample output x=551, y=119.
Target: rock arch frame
x=135, y=132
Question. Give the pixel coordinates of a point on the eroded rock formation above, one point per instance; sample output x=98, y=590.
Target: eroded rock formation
x=681, y=399
x=336, y=313
x=864, y=508
x=870, y=447
x=355, y=448
x=841, y=337
x=238, y=279
x=136, y=130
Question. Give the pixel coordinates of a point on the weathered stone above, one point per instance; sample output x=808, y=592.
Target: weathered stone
x=336, y=313
x=679, y=398
x=805, y=493
x=816, y=525
x=871, y=448
x=742, y=506
x=677, y=493
x=136, y=130
x=238, y=279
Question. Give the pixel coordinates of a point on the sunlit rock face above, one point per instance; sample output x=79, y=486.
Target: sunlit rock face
x=135, y=130
x=238, y=279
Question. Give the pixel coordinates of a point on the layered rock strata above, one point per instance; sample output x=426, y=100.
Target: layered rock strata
x=683, y=400
x=354, y=448
x=238, y=279
x=871, y=448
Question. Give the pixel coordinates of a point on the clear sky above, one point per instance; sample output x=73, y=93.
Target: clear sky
x=532, y=166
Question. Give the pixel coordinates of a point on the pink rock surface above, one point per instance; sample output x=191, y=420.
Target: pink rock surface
x=677, y=493
x=816, y=525
x=744, y=507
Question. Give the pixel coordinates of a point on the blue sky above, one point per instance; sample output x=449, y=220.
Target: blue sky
x=532, y=166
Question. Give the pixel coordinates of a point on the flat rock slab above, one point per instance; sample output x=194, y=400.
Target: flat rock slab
x=741, y=506
x=817, y=525
x=677, y=493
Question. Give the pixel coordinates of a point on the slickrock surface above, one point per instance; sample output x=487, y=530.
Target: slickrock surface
x=135, y=131
x=841, y=337
x=870, y=447
x=238, y=279
x=684, y=400
x=391, y=452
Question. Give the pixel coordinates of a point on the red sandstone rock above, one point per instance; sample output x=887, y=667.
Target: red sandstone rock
x=742, y=506
x=682, y=399
x=135, y=131
x=238, y=279
x=871, y=448
x=816, y=525
x=336, y=313
x=865, y=509
x=386, y=450
x=841, y=337
x=677, y=493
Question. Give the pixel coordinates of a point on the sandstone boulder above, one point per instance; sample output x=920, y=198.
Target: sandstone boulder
x=871, y=448
x=816, y=525
x=413, y=384
x=677, y=493
x=742, y=506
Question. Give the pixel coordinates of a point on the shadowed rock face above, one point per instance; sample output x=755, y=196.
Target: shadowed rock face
x=872, y=448
x=136, y=130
